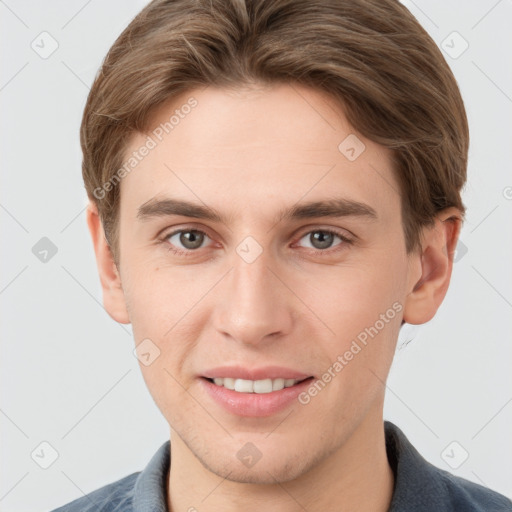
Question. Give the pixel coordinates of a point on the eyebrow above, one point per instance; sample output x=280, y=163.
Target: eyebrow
x=335, y=208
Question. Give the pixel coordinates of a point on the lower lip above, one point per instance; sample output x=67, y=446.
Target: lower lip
x=254, y=404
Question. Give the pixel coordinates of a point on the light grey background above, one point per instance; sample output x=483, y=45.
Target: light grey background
x=68, y=374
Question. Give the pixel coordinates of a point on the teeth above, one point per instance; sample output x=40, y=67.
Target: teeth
x=255, y=386
x=229, y=383
x=244, y=386
x=278, y=384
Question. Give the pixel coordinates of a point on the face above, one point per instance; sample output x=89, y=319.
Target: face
x=257, y=252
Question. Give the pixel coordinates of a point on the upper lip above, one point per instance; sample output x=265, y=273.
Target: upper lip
x=266, y=372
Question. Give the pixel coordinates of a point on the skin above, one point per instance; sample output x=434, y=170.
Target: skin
x=248, y=153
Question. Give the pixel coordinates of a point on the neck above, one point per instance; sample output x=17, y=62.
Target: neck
x=357, y=476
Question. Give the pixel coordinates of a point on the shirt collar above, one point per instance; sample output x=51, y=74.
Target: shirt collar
x=412, y=475
x=417, y=482
x=150, y=491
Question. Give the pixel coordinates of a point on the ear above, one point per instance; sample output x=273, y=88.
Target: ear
x=113, y=295
x=436, y=261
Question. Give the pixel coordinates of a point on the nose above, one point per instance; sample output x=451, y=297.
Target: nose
x=254, y=306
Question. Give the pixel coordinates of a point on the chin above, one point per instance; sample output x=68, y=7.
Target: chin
x=262, y=475
x=269, y=471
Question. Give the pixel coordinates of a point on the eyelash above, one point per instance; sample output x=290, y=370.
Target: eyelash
x=190, y=252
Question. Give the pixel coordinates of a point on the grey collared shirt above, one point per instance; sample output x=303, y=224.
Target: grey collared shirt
x=419, y=486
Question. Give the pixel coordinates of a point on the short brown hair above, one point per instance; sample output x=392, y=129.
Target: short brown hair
x=371, y=56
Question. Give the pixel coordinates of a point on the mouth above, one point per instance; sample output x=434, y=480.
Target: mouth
x=254, y=398
x=254, y=391
x=262, y=386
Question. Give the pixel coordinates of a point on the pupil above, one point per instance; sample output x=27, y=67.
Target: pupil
x=191, y=239
x=322, y=239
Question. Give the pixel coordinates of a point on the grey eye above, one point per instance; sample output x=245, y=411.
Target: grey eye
x=320, y=239
x=189, y=239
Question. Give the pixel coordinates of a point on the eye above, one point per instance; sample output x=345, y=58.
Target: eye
x=184, y=242
x=322, y=239
x=189, y=239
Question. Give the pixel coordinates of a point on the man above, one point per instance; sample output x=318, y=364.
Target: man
x=275, y=190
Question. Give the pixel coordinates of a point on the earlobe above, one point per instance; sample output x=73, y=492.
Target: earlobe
x=113, y=295
x=436, y=261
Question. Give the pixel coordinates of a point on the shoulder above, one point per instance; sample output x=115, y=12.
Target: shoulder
x=423, y=487
x=143, y=490
x=114, y=497
x=465, y=496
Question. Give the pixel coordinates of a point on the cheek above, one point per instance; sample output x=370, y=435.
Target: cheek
x=355, y=298
x=358, y=362
x=152, y=296
x=162, y=307
x=363, y=305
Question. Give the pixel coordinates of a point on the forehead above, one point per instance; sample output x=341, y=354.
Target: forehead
x=250, y=151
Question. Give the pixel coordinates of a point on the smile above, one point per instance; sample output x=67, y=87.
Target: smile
x=254, y=386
